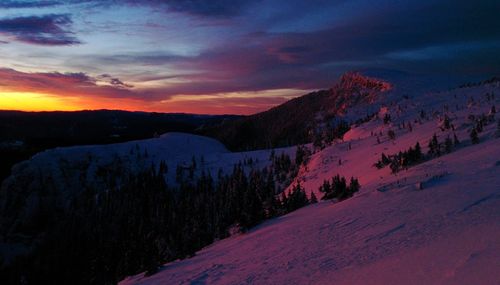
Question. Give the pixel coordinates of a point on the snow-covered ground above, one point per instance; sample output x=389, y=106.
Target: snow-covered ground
x=447, y=233
x=390, y=232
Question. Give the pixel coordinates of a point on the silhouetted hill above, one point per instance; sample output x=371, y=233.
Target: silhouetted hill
x=23, y=134
x=298, y=120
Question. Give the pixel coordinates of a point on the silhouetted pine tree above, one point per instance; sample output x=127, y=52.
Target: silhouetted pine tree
x=448, y=144
x=446, y=122
x=387, y=118
x=456, y=142
x=297, y=198
x=354, y=186
x=434, y=146
x=418, y=152
x=474, y=136
x=313, y=199
x=391, y=134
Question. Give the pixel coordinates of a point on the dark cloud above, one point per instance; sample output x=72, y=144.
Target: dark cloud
x=114, y=81
x=51, y=30
x=10, y=4
x=209, y=8
x=204, y=8
x=214, y=8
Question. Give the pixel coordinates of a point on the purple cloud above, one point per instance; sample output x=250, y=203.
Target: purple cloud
x=66, y=84
x=50, y=30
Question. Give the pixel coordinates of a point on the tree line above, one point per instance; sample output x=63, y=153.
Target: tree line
x=141, y=223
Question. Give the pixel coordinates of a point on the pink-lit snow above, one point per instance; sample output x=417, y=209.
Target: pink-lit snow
x=388, y=233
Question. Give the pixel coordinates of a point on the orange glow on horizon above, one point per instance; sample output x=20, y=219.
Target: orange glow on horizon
x=34, y=102
x=30, y=101
x=244, y=103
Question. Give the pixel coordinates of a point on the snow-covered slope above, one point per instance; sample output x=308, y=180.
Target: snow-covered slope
x=359, y=149
x=68, y=169
x=391, y=232
x=448, y=233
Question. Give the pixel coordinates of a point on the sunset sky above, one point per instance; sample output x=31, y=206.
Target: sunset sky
x=239, y=56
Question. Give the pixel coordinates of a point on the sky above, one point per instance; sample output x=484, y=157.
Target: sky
x=227, y=56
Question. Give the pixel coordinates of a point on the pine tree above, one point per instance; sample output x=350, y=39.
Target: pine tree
x=391, y=134
x=297, y=198
x=301, y=155
x=474, y=136
x=354, y=186
x=313, y=199
x=422, y=114
x=273, y=207
x=253, y=211
x=448, y=144
x=340, y=188
x=434, y=147
x=446, y=122
x=395, y=165
x=387, y=119
x=456, y=142
x=326, y=189
x=418, y=152
x=479, y=126
x=385, y=160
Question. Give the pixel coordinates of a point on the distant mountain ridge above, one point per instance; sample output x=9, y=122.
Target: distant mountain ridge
x=297, y=121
